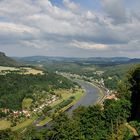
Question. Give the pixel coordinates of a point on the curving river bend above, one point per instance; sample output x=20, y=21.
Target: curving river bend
x=92, y=95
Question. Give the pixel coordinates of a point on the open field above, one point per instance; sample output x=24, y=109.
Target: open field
x=23, y=124
x=66, y=94
x=4, y=124
x=20, y=70
x=32, y=71
x=2, y=68
x=26, y=103
x=78, y=95
x=45, y=121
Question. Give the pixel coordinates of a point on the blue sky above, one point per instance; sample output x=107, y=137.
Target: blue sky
x=71, y=28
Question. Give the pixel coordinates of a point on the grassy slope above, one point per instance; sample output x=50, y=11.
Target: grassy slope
x=26, y=103
x=23, y=124
x=4, y=124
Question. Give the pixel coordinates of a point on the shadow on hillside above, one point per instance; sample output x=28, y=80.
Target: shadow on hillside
x=136, y=138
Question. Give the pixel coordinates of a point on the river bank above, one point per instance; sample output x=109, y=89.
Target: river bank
x=92, y=94
x=77, y=96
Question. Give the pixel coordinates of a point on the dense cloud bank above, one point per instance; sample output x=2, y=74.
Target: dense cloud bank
x=69, y=29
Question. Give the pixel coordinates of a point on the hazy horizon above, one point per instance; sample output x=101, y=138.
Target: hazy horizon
x=73, y=56
x=70, y=28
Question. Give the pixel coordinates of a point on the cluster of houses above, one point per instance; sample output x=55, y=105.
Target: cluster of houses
x=16, y=113
x=46, y=103
x=111, y=97
x=27, y=113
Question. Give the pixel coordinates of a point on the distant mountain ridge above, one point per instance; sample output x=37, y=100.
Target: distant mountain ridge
x=44, y=58
x=7, y=61
x=102, y=61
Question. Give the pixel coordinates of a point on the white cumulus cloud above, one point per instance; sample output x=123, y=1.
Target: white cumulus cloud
x=42, y=25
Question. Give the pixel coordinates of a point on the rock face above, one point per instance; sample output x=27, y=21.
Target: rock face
x=7, y=61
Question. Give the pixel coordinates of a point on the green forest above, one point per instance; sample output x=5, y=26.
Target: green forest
x=112, y=121
x=15, y=87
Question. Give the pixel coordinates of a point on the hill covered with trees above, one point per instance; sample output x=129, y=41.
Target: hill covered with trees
x=15, y=87
x=7, y=61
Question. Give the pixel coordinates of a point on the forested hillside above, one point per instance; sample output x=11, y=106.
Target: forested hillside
x=24, y=98
x=107, y=122
x=7, y=61
x=130, y=89
x=15, y=87
x=135, y=94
